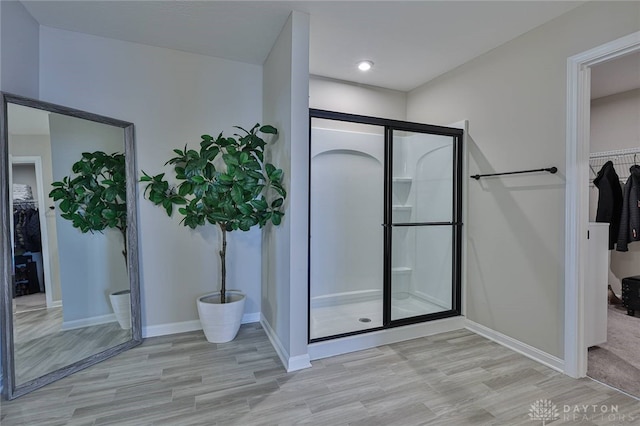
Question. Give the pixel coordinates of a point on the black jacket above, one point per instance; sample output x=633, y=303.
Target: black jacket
x=609, y=200
x=630, y=217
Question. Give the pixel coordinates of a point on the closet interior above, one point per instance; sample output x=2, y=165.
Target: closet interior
x=27, y=242
x=612, y=292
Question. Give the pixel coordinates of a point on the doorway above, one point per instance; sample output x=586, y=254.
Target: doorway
x=577, y=198
x=32, y=252
x=385, y=224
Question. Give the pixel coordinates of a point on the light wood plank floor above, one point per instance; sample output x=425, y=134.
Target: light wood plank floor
x=41, y=346
x=455, y=378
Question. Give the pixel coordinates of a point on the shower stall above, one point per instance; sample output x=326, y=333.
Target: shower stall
x=385, y=224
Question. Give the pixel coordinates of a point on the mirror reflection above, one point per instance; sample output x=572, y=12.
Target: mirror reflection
x=68, y=235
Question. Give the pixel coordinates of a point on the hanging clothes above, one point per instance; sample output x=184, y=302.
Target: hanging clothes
x=630, y=216
x=32, y=230
x=609, y=200
x=26, y=229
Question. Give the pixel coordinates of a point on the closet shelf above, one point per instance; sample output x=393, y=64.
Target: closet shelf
x=401, y=270
x=622, y=160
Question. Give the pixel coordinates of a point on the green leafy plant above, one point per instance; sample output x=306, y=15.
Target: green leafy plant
x=94, y=197
x=226, y=183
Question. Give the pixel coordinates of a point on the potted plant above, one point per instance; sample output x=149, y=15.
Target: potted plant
x=227, y=183
x=94, y=198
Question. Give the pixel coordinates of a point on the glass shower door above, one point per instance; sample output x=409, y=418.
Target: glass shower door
x=346, y=240
x=384, y=224
x=423, y=224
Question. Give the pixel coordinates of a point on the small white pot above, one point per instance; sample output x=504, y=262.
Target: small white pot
x=121, y=305
x=221, y=321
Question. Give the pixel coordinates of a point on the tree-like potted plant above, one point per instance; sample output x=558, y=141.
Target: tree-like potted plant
x=227, y=183
x=94, y=198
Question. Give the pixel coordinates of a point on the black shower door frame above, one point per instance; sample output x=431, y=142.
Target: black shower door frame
x=456, y=224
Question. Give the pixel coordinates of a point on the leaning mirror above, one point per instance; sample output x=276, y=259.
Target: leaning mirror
x=70, y=290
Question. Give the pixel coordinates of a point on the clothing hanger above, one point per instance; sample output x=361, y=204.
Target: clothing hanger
x=635, y=165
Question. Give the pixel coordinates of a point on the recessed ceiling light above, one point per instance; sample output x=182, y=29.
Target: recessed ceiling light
x=365, y=65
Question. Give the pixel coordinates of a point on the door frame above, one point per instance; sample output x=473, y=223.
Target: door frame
x=577, y=192
x=36, y=161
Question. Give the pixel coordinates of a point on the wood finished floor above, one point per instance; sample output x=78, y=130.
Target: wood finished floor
x=40, y=346
x=456, y=378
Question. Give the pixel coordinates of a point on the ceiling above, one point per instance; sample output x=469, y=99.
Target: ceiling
x=616, y=76
x=410, y=42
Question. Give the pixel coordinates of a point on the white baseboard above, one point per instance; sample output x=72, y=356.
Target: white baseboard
x=171, y=328
x=290, y=363
x=187, y=326
x=55, y=304
x=360, y=342
x=251, y=318
x=517, y=346
x=299, y=362
x=88, y=322
x=275, y=341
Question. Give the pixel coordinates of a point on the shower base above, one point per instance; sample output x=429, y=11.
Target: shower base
x=329, y=319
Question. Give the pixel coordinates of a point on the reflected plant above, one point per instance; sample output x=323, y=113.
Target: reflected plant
x=94, y=197
x=226, y=183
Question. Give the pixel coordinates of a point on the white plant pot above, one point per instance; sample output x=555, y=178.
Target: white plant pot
x=121, y=305
x=221, y=321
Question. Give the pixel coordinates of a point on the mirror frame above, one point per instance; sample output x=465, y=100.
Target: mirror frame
x=10, y=389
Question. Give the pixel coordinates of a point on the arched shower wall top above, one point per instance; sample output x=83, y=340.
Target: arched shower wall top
x=346, y=183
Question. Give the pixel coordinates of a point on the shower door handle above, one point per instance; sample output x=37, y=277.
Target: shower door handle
x=408, y=224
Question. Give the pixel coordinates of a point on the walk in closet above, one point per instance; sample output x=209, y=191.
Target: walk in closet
x=612, y=287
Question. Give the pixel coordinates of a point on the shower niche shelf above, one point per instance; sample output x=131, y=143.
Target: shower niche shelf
x=401, y=193
x=402, y=180
x=401, y=213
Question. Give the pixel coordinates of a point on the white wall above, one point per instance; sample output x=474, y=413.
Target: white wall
x=615, y=121
x=342, y=96
x=172, y=98
x=515, y=100
x=284, y=249
x=19, y=63
x=18, y=50
x=615, y=124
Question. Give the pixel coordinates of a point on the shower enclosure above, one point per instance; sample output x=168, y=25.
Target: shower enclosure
x=385, y=223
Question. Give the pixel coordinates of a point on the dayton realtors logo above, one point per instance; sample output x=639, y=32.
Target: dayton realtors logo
x=546, y=411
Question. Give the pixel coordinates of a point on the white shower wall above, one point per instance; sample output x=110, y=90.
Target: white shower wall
x=347, y=205
x=422, y=192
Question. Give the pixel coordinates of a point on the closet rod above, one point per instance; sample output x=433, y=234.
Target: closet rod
x=614, y=153
x=551, y=170
x=25, y=203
